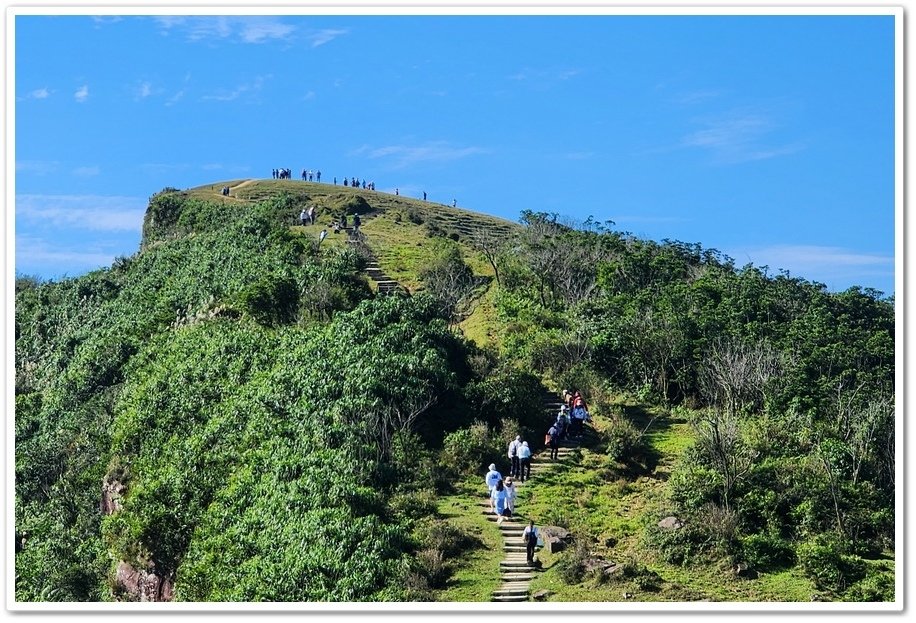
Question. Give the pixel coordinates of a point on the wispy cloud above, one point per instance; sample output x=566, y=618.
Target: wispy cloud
x=37, y=94
x=143, y=90
x=830, y=265
x=35, y=254
x=406, y=155
x=86, y=171
x=89, y=212
x=249, y=87
x=37, y=167
x=543, y=76
x=101, y=20
x=696, y=96
x=643, y=219
x=739, y=136
x=241, y=29
x=325, y=36
x=258, y=32
x=82, y=93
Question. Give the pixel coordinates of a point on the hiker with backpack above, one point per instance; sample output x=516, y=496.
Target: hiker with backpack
x=579, y=414
x=562, y=423
x=552, y=439
x=524, y=459
x=530, y=536
x=513, y=455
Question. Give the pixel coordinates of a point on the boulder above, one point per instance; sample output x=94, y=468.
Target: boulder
x=542, y=595
x=554, y=545
x=112, y=491
x=558, y=532
x=671, y=523
x=139, y=585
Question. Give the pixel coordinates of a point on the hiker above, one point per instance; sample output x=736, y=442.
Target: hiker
x=317, y=176
x=424, y=195
x=513, y=455
x=343, y=220
x=562, y=423
x=524, y=459
x=322, y=236
x=530, y=536
x=303, y=216
x=511, y=494
x=356, y=223
x=335, y=180
x=346, y=183
x=454, y=203
x=552, y=439
x=498, y=501
x=492, y=478
x=579, y=415
x=311, y=214
x=397, y=192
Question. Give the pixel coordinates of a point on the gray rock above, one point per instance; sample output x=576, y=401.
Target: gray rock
x=554, y=545
x=542, y=595
x=671, y=523
x=556, y=531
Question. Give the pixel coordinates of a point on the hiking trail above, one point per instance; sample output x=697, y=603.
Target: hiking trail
x=515, y=572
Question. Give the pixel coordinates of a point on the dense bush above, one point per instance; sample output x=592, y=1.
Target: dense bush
x=825, y=560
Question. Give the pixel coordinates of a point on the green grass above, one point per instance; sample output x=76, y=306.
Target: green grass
x=477, y=572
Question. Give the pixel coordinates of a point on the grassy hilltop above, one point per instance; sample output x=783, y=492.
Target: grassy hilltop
x=237, y=413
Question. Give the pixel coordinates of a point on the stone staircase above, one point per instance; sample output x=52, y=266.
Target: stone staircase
x=515, y=572
x=385, y=284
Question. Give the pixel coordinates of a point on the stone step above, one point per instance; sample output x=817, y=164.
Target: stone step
x=510, y=598
x=512, y=564
x=517, y=577
x=510, y=592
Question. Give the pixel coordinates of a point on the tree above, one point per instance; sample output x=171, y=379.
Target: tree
x=719, y=441
x=451, y=282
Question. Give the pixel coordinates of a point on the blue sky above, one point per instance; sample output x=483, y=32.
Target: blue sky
x=769, y=138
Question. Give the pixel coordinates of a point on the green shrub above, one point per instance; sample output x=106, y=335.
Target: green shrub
x=571, y=565
x=469, y=450
x=825, y=561
x=875, y=587
x=766, y=551
x=271, y=300
x=623, y=441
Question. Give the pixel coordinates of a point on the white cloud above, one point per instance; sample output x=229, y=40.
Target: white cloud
x=700, y=95
x=739, y=136
x=39, y=94
x=258, y=32
x=81, y=93
x=544, y=76
x=326, y=36
x=90, y=212
x=143, y=90
x=834, y=266
x=406, y=155
x=35, y=253
x=86, y=171
x=37, y=167
x=249, y=87
x=243, y=29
